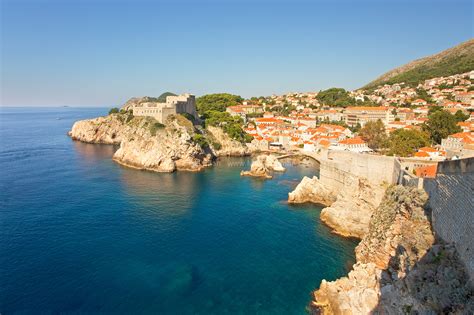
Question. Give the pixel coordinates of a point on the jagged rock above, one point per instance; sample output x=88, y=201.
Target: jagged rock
x=399, y=227
x=108, y=130
x=398, y=269
x=350, y=214
x=358, y=293
x=312, y=190
x=274, y=164
x=263, y=165
x=258, y=168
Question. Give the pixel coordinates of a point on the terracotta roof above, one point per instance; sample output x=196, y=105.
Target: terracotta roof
x=421, y=154
x=426, y=171
x=428, y=149
x=268, y=120
x=356, y=140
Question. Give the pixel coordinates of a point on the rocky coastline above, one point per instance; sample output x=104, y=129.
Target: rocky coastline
x=400, y=266
x=147, y=145
x=347, y=211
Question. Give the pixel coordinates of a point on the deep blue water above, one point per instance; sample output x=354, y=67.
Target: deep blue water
x=82, y=234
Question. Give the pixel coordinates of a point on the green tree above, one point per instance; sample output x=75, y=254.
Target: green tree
x=154, y=128
x=113, y=110
x=460, y=116
x=421, y=93
x=335, y=96
x=162, y=97
x=441, y=124
x=231, y=125
x=201, y=140
x=217, y=102
x=434, y=109
x=374, y=134
x=404, y=142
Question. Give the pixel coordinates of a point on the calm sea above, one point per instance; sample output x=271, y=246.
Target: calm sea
x=82, y=234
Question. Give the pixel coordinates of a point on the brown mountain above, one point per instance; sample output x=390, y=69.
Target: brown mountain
x=458, y=59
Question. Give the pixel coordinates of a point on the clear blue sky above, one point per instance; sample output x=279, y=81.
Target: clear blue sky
x=86, y=53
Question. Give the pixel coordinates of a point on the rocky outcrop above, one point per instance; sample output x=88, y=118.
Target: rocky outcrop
x=145, y=144
x=312, y=190
x=350, y=214
x=358, y=293
x=223, y=145
x=398, y=268
x=110, y=129
x=263, y=166
x=399, y=227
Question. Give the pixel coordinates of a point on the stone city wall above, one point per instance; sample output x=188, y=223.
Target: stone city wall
x=452, y=205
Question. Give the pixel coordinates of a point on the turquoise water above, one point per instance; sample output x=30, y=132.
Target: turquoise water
x=82, y=234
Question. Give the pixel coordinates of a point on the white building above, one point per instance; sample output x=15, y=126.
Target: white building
x=184, y=103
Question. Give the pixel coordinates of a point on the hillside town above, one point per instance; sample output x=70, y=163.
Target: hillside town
x=299, y=121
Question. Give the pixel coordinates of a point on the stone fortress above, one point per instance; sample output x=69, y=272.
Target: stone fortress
x=179, y=104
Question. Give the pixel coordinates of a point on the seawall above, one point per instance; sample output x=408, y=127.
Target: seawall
x=451, y=200
x=339, y=169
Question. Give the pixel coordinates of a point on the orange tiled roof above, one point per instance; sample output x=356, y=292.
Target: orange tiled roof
x=426, y=171
x=427, y=149
x=356, y=140
x=421, y=154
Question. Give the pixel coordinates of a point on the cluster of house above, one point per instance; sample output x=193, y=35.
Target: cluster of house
x=451, y=89
x=312, y=126
x=299, y=131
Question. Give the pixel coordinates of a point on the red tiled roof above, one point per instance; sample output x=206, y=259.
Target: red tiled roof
x=426, y=171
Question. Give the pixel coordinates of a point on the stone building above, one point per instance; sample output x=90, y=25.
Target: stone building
x=179, y=104
x=363, y=114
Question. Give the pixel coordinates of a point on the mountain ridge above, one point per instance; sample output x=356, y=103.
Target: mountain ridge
x=454, y=60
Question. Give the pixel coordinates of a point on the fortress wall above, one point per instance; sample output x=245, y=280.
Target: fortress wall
x=341, y=167
x=452, y=204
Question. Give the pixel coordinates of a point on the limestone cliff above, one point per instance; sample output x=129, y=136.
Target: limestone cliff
x=398, y=270
x=109, y=129
x=350, y=214
x=348, y=211
x=146, y=144
x=263, y=166
x=312, y=190
x=223, y=145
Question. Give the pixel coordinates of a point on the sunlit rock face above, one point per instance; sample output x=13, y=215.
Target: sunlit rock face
x=145, y=144
x=263, y=166
x=312, y=190
x=348, y=209
x=398, y=268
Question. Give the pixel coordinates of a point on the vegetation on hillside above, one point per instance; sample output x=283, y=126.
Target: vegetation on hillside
x=217, y=102
x=339, y=97
x=212, y=108
x=232, y=126
x=459, y=59
x=162, y=97
x=113, y=110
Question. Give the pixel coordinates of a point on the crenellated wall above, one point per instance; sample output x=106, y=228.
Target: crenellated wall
x=452, y=204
